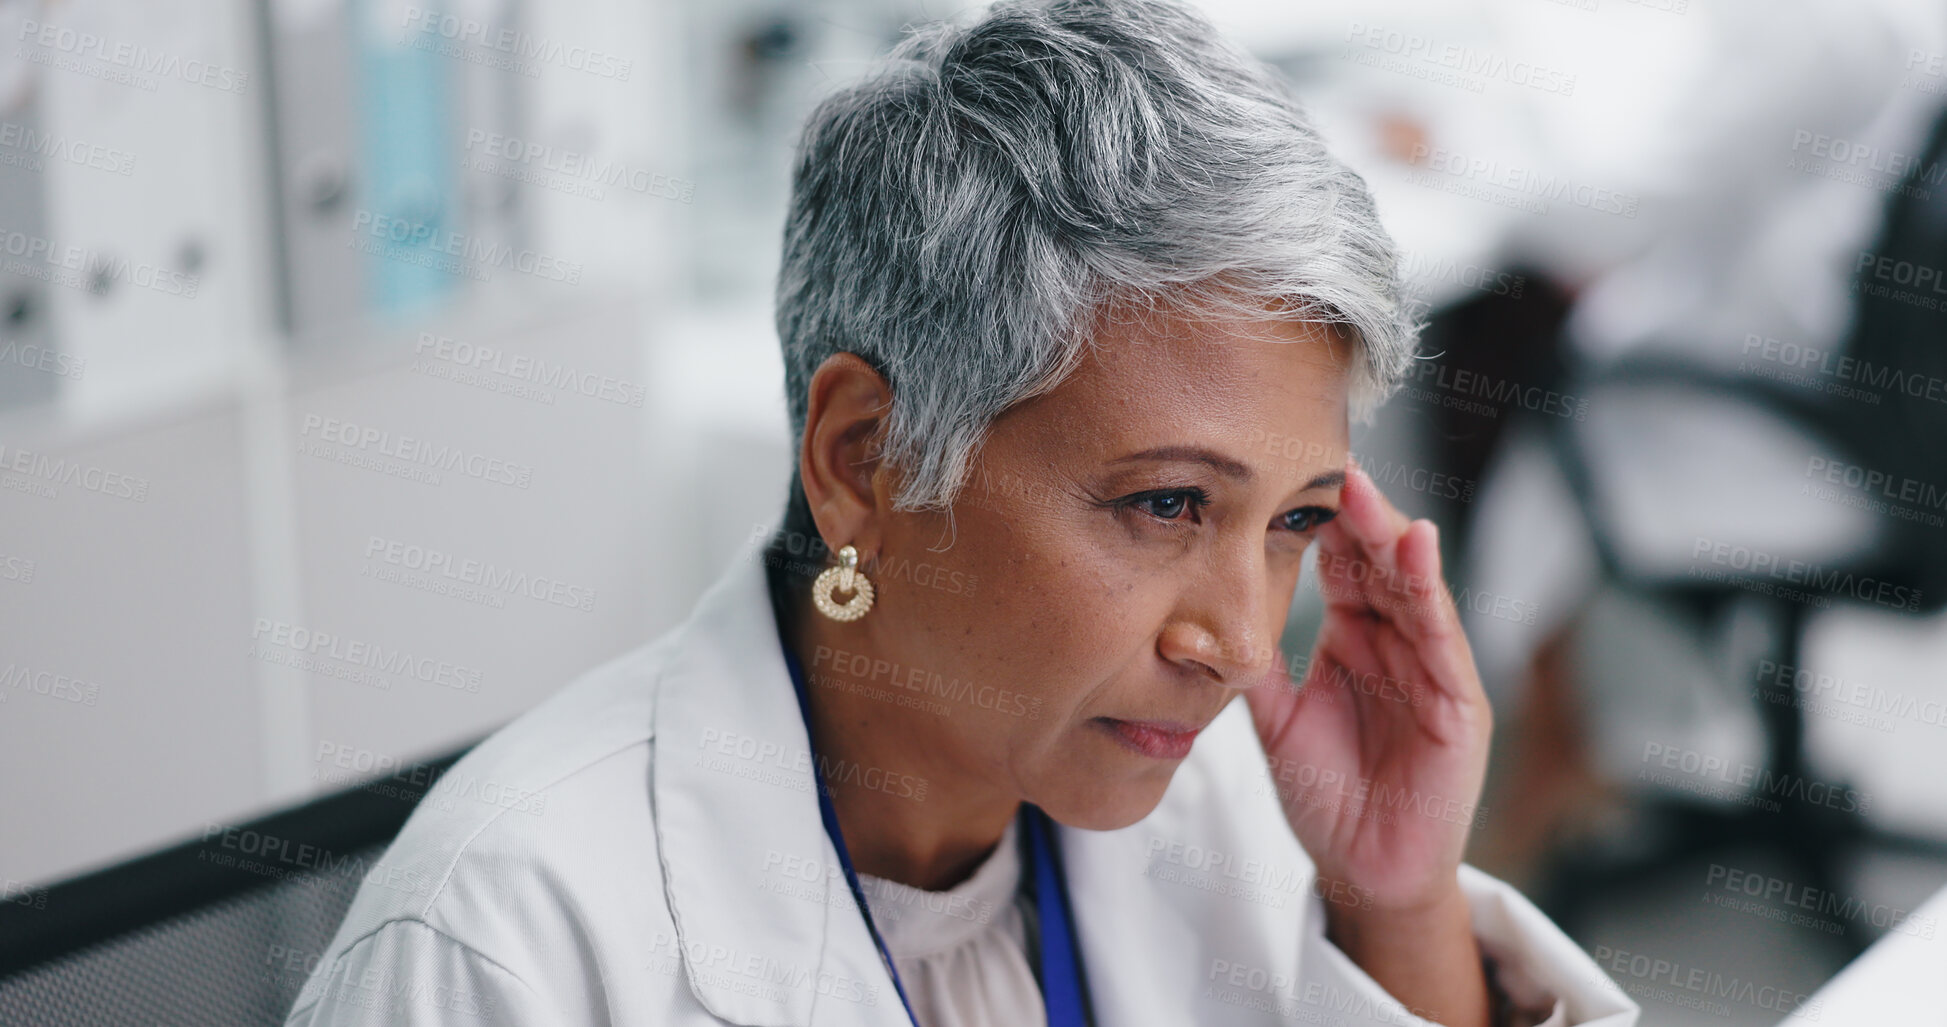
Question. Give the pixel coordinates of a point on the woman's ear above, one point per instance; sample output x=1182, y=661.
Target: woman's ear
x=838, y=462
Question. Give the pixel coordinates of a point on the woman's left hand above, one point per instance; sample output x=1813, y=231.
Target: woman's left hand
x=1380, y=755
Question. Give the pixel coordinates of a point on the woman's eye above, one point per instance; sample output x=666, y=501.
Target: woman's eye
x=1305, y=518
x=1169, y=505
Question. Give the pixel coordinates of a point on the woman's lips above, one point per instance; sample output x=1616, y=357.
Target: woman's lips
x=1160, y=739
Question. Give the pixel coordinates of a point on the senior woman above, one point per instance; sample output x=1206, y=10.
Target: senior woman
x=1076, y=311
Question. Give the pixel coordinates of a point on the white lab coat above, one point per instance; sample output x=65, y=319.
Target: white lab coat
x=645, y=848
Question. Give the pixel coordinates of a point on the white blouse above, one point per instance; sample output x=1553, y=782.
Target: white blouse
x=962, y=953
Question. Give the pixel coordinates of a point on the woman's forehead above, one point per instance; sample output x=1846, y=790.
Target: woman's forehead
x=1221, y=361
x=1270, y=394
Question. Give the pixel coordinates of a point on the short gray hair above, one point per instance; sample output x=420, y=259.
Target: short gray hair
x=958, y=217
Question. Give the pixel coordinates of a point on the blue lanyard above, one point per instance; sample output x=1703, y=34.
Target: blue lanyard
x=1063, y=991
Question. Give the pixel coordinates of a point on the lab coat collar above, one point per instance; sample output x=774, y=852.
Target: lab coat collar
x=737, y=823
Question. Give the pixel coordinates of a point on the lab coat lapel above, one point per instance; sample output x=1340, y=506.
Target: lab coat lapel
x=768, y=930
x=1128, y=940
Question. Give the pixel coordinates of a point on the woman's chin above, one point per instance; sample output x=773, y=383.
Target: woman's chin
x=1111, y=807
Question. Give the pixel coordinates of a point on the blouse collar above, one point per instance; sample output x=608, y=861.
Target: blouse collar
x=916, y=923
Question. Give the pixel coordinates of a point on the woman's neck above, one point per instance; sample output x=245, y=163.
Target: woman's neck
x=908, y=811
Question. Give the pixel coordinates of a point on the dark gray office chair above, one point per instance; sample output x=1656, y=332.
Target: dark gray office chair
x=1903, y=436
x=219, y=931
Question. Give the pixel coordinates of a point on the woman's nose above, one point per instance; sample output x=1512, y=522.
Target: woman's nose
x=1226, y=633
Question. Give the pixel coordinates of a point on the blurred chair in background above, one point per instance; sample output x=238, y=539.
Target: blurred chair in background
x=223, y=930
x=1715, y=533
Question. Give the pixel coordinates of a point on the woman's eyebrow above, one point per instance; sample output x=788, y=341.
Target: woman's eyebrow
x=1223, y=465
x=1325, y=481
x=1192, y=454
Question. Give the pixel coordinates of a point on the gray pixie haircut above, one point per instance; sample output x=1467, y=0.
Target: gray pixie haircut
x=960, y=217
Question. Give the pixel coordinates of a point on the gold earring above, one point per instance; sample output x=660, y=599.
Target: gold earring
x=843, y=578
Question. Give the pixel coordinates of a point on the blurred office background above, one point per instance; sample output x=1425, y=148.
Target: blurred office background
x=320, y=320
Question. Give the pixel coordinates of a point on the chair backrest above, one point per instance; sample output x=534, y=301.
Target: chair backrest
x=218, y=931
x=1898, y=345
x=1880, y=411
x=239, y=960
